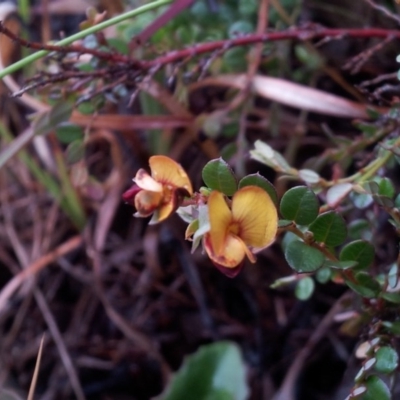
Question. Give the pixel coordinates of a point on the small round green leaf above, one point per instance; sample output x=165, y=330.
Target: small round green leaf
x=364, y=285
x=337, y=193
x=393, y=327
x=86, y=108
x=376, y=389
x=329, y=228
x=358, y=229
x=323, y=275
x=386, y=188
x=303, y=258
x=260, y=181
x=309, y=176
x=304, y=288
x=361, y=200
x=218, y=175
x=383, y=201
x=361, y=251
x=391, y=297
x=67, y=132
x=300, y=204
x=214, y=369
x=371, y=187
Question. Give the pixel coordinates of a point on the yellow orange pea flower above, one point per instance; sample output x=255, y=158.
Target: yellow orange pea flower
x=248, y=224
x=161, y=193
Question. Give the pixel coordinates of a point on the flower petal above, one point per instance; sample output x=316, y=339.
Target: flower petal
x=163, y=212
x=130, y=194
x=220, y=217
x=147, y=202
x=232, y=254
x=146, y=182
x=168, y=172
x=229, y=272
x=256, y=215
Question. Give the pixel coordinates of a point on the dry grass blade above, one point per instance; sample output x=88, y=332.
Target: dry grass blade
x=34, y=268
x=294, y=95
x=36, y=371
x=61, y=346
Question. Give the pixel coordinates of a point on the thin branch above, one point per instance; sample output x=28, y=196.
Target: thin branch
x=384, y=11
x=174, y=56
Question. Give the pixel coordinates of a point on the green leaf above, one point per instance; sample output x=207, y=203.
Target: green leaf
x=118, y=44
x=371, y=187
x=304, y=288
x=75, y=151
x=337, y=193
x=240, y=28
x=323, y=275
x=300, y=204
x=393, y=327
x=397, y=201
x=376, y=389
x=303, y=258
x=361, y=251
x=391, y=297
x=329, y=228
x=340, y=264
x=309, y=176
x=365, y=285
x=47, y=121
x=386, y=187
x=361, y=200
x=268, y=156
x=218, y=175
x=228, y=151
x=383, y=201
x=234, y=59
x=368, y=129
x=59, y=113
x=67, y=132
x=358, y=229
x=260, y=181
x=215, y=371
x=86, y=107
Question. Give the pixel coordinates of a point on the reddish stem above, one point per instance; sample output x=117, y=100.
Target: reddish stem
x=294, y=34
x=209, y=47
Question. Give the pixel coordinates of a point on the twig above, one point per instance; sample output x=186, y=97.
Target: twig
x=359, y=60
x=384, y=11
x=379, y=79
